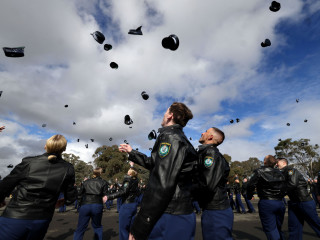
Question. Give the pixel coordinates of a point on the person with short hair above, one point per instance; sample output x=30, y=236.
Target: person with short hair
x=212, y=190
x=244, y=194
x=271, y=187
x=91, y=200
x=129, y=193
x=166, y=209
x=301, y=206
x=38, y=181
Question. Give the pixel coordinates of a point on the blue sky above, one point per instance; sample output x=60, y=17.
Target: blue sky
x=219, y=70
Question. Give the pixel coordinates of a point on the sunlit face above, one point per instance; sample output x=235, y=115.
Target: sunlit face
x=281, y=164
x=204, y=136
x=165, y=118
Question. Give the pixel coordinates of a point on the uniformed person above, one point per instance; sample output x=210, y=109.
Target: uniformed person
x=244, y=194
x=166, y=208
x=91, y=193
x=129, y=193
x=271, y=187
x=237, y=192
x=217, y=215
x=230, y=195
x=300, y=206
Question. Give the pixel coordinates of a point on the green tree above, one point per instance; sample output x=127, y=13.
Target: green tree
x=235, y=169
x=300, y=153
x=250, y=165
x=81, y=168
x=227, y=157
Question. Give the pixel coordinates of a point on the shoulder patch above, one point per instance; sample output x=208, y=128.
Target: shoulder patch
x=290, y=172
x=208, y=161
x=164, y=149
x=126, y=184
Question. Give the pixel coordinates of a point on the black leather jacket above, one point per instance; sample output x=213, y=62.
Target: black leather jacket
x=93, y=190
x=38, y=183
x=171, y=165
x=213, y=173
x=270, y=184
x=296, y=185
x=129, y=191
x=244, y=188
x=236, y=188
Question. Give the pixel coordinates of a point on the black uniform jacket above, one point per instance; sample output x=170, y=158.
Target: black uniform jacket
x=171, y=165
x=270, y=184
x=236, y=188
x=38, y=183
x=296, y=185
x=128, y=192
x=244, y=188
x=93, y=190
x=213, y=173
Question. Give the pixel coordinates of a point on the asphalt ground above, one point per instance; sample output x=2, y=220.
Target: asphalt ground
x=246, y=226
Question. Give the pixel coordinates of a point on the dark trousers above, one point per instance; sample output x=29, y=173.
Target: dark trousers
x=16, y=229
x=119, y=202
x=239, y=204
x=217, y=224
x=171, y=226
x=126, y=216
x=297, y=213
x=249, y=204
x=109, y=204
x=232, y=203
x=87, y=212
x=271, y=213
x=195, y=204
x=314, y=196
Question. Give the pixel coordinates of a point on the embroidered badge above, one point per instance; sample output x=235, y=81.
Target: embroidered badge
x=208, y=162
x=290, y=172
x=164, y=149
x=126, y=184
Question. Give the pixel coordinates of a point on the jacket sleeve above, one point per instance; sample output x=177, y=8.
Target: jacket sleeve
x=69, y=190
x=252, y=183
x=11, y=181
x=161, y=187
x=122, y=191
x=141, y=159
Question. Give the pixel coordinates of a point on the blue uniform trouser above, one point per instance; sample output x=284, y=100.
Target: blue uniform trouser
x=297, y=213
x=239, y=203
x=232, y=203
x=271, y=213
x=16, y=229
x=87, y=211
x=171, y=226
x=217, y=224
x=249, y=204
x=126, y=216
x=119, y=202
x=195, y=204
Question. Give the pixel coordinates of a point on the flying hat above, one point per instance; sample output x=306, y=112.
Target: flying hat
x=87, y=145
x=297, y=100
x=114, y=65
x=14, y=52
x=279, y=139
x=74, y=123
x=1, y=93
x=152, y=135
x=288, y=124
x=110, y=139
x=78, y=140
x=66, y=106
x=127, y=120
x=135, y=31
x=144, y=95
x=107, y=47
x=137, y=149
x=266, y=43
x=10, y=166
x=92, y=140
x=44, y=125
x=150, y=149
x=125, y=141
x=191, y=138
x=171, y=42
x=238, y=120
x=231, y=121
x=98, y=36
x=306, y=120
x=275, y=6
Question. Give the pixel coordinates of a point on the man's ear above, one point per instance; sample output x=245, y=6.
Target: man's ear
x=210, y=137
x=170, y=117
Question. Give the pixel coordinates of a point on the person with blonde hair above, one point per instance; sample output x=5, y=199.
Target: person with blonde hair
x=129, y=193
x=38, y=181
x=90, y=198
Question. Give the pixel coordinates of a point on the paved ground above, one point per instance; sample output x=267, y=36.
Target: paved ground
x=246, y=226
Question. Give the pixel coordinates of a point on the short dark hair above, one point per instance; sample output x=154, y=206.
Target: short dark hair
x=181, y=113
x=283, y=159
x=270, y=161
x=221, y=134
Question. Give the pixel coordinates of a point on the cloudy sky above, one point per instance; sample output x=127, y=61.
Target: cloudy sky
x=219, y=70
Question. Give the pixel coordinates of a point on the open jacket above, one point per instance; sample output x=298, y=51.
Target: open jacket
x=38, y=182
x=171, y=168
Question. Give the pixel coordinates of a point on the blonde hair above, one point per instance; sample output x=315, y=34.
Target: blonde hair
x=56, y=145
x=132, y=172
x=97, y=172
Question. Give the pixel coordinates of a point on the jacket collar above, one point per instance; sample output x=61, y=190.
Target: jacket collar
x=204, y=146
x=175, y=126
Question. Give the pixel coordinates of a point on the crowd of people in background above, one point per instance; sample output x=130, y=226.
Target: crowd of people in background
x=182, y=181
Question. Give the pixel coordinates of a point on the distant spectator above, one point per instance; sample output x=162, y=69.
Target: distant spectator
x=38, y=181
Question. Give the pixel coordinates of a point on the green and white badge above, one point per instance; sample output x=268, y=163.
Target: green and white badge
x=208, y=161
x=164, y=149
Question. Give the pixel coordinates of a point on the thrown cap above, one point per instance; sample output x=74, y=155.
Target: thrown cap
x=44, y=125
x=74, y=123
x=275, y=6
x=1, y=93
x=171, y=42
x=110, y=139
x=78, y=140
x=231, y=121
x=266, y=43
x=87, y=145
x=135, y=31
x=14, y=52
x=107, y=47
x=114, y=65
x=10, y=166
x=238, y=120
x=98, y=36
x=92, y=140
x=127, y=120
x=288, y=124
x=152, y=135
x=144, y=95
x=306, y=120
x=66, y=106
